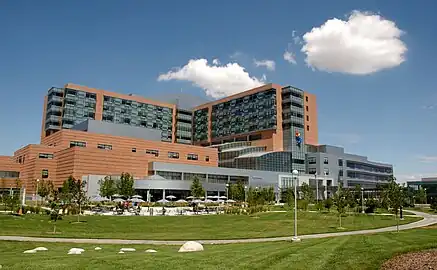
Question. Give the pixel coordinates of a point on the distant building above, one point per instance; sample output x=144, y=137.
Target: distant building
x=349, y=169
x=427, y=183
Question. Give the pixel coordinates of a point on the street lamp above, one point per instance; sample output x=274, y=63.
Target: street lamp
x=227, y=191
x=362, y=200
x=295, y=178
x=245, y=195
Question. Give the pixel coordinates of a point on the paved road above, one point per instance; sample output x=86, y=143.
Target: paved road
x=426, y=221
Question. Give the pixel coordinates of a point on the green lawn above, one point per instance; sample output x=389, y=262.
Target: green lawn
x=190, y=227
x=349, y=252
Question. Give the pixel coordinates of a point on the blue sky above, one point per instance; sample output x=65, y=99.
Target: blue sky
x=387, y=113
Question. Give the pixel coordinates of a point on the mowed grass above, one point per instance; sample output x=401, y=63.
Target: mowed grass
x=348, y=252
x=190, y=227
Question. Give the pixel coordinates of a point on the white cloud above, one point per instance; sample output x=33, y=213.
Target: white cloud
x=403, y=178
x=296, y=39
x=269, y=64
x=364, y=44
x=427, y=159
x=217, y=80
x=216, y=62
x=289, y=57
x=236, y=55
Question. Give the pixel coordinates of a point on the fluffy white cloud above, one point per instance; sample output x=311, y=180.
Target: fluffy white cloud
x=269, y=64
x=217, y=80
x=363, y=44
x=289, y=57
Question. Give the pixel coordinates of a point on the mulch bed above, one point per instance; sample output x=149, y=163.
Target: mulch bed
x=413, y=261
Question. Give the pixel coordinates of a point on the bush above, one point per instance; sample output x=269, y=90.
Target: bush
x=37, y=210
x=328, y=204
x=319, y=206
x=302, y=205
x=434, y=205
x=371, y=205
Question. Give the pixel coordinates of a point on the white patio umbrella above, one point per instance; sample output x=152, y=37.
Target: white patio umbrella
x=223, y=197
x=230, y=201
x=162, y=201
x=181, y=201
x=190, y=197
x=116, y=195
x=137, y=200
x=219, y=201
x=137, y=196
x=171, y=197
x=208, y=201
x=197, y=201
x=118, y=200
x=213, y=197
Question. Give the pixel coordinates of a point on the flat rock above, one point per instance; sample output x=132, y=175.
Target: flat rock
x=120, y=252
x=40, y=249
x=191, y=246
x=30, y=251
x=97, y=248
x=127, y=249
x=76, y=249
x=151, y=251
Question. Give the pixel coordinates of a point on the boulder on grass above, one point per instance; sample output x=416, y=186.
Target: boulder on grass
x=151, y=251
x=97, y=248
x=30, y=251
x=120, y=252
x=40, y=249
x=128, y=249
x=75, y=251
x=191, y=246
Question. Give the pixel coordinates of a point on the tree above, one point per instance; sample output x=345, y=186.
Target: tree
x=66, y=194
x=395, y=197
x=350, y=198
x=307, y=192
x=340, y=201
x=421, y=195
x=197, y=190
x=269, y=194
x=79, y=195
x=236, y=191
x=328, y=204
x=125, y=185
x=45, y=189
x=108, y=187
x=288, y=196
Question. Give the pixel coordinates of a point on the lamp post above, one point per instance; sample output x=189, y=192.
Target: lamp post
x=227, y=191
x=245, y=195
x=295, y=178
x=362, y=200
x=317, y=188
x=37, y=187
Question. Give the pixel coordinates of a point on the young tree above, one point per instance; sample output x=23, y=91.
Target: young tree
x=340, y=201
x=328, y=204
x=307, y=193
x=421, y=195
x=236, y=191
x=66, y=194
x=79, y=195
x=107, y=187
x=125, y=185
x=197, y=190
x=45, y=189
x=288, y=196
x=395, y=197
x=269, y=194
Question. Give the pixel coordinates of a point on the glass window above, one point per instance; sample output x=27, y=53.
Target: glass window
x=134, y=150
x=312, y=170
x=192, y=157
x=173, y=155
x=207, y=158
x=152, y=152
x=340, y=162
x=9, y=174
x=326, y=171
x=77, y=143
x=325, y=160
x=45, y=155
x=312, y=160
x=104, y=146
x=45, y=173
x=340, y=173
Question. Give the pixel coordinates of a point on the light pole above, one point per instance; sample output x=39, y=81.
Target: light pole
x=317, y=188
x=37, y=186
x=227, y=191
x=362, y=200
x=295, y=178
x=245, y=195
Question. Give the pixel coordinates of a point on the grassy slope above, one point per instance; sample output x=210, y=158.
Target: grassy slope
x=190, y=227
x=350, y=252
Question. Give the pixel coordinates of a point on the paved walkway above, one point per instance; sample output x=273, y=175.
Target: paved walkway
x=426, y=221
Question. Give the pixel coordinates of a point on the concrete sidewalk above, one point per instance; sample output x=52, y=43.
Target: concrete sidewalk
x=426, y=221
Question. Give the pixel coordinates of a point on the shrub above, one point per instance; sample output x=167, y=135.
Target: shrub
x=328, y=204
x=371, y=205
x=302, y=204
x=319, y=206
x=434, y=205
x=37, y=210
